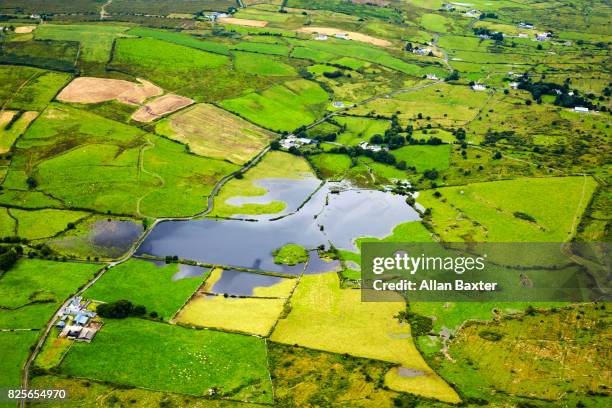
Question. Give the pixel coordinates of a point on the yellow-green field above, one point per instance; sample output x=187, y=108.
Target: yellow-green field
x=325, y=317
x=245, y=315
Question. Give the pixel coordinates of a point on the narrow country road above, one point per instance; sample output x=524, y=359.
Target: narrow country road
x=103, y=13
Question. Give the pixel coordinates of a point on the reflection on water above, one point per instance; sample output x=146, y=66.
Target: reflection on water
x=327, y=218
x=293, y=192
x=115, y=234
x=189, y=271
x=239, y=283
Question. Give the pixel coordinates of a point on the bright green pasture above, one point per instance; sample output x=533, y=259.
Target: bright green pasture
x=34, y=280
x=182, y=69
x=180, y=39
x=435, y=22
x=445, y=104
x=282, y=107
x=263, y=48
x=29, y=88
x=8, y=134
x=11, y=363
x=96, y=40
x=486, y=211
x=360, y=129
x=30, y=293
x=145, y=283
x=32, y=226
x=170, y=358
x=331, y=166
x=424, y=157
x=87, y=161
x=261, y=65
x=323, y=51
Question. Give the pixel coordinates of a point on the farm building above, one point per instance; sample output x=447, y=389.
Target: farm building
x=292, y=141
x=581, y=109
x=367, y=146
x=479, y=87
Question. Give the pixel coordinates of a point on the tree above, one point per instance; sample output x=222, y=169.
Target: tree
x=376, y=139
x=31, y=182
x=401, y=165
x=497, y=155
x=431, y=174
x=460, y=134
x=275, y=145
x=453, y=76
x=119, y=309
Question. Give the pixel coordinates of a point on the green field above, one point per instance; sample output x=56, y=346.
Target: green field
x=181, y=39
x=488, y=209
x=424, y=157
x=38, y=281
x=331, y=166
x=12, y=125
x=141, y=353
x=506, y=356
x=261, y=65
x=30, y=293
x=263, y=48
x=360, y=129
x=29, y=226
x=81, y=184
x=96, y=40
x=48, y=54
x=144, y=283
x=26, y=88
x=282, y=107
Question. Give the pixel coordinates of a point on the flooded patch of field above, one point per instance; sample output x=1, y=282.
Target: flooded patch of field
x=106, y=238
x=293, y=192
x=238, y=283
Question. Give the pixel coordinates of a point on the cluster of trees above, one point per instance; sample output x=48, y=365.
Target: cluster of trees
x=419, y=325
x=120, y=309
x=564, y=96
x=8, y=256
x=494, y=35
x=333, y=74
x=453, y=76
x=488, y=15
